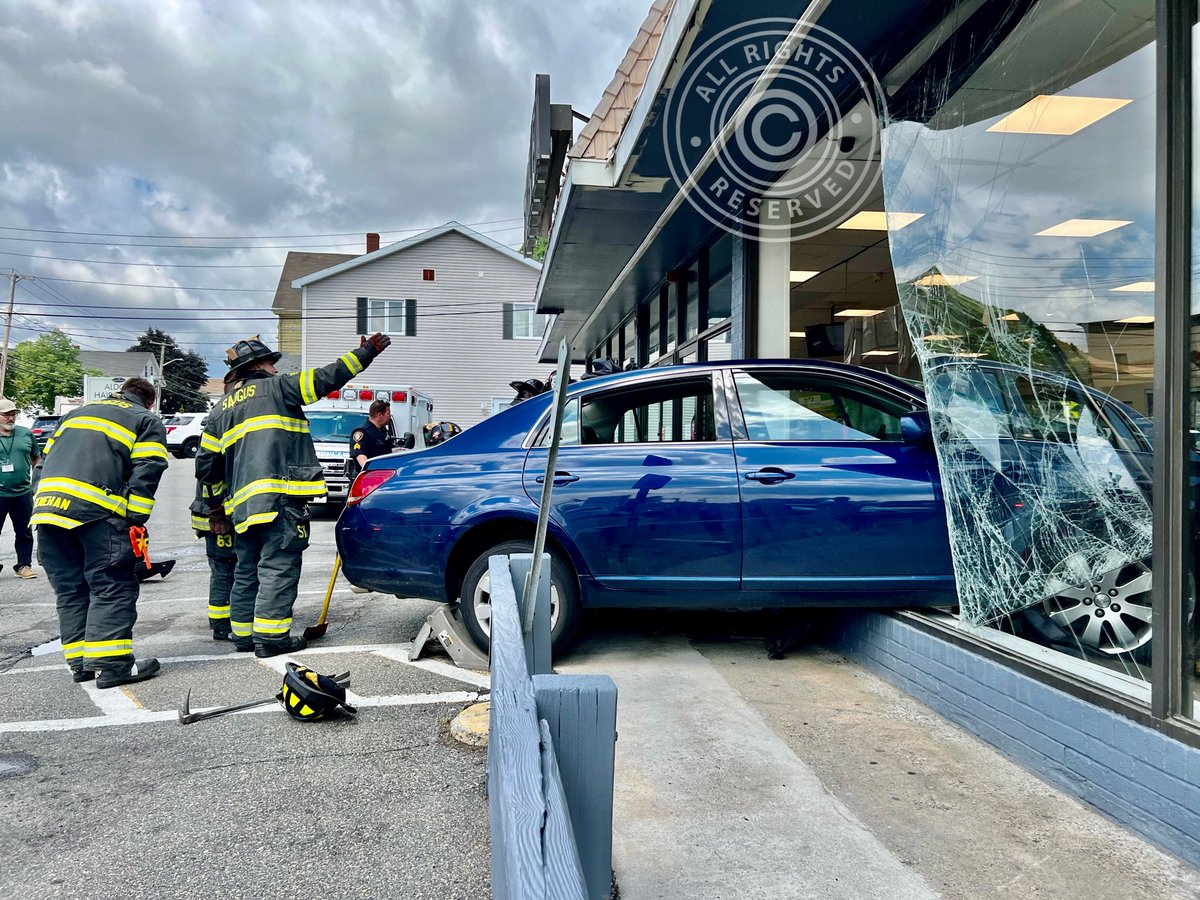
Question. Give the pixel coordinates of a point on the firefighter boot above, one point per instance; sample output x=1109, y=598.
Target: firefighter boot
x=139, y=671
x=264, y=649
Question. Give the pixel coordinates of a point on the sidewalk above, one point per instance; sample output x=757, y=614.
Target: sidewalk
x=744, y=777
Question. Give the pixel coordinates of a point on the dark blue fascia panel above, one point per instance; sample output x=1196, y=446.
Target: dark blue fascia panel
x=602, y=228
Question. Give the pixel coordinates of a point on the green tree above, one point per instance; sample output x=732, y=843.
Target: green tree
x=183, y=379
x=40, y=370
x=539, y=247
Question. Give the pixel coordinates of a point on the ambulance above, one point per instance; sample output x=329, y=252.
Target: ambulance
x=332, y=419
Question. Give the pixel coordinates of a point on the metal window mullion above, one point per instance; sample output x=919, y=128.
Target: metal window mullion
x=1172, y=308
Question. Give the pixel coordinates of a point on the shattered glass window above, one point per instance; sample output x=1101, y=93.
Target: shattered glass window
x=1019, y=181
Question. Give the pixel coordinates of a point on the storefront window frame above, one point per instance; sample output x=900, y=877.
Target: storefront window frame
x=1170, y=685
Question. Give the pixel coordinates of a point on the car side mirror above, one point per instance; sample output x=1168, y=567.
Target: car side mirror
x=408, y=441
x=916, y=429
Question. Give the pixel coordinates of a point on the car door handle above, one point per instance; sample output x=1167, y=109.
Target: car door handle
x=770, y=475
x=560, y=478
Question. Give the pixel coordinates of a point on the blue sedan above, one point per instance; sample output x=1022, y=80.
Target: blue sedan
x=730, y=485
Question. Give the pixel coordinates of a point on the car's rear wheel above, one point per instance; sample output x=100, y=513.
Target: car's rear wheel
x=476, y=601
x=190, y=447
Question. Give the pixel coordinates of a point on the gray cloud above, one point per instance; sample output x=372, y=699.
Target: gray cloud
x=263, y=118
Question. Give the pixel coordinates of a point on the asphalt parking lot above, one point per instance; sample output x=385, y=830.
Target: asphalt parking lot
x=105, y=794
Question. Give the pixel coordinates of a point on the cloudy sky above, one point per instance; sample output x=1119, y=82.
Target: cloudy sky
x=158, y=159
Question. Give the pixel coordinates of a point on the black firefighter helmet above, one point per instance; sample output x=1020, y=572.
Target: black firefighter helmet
x=308, y=695
x=437, y=432
x=245, y=352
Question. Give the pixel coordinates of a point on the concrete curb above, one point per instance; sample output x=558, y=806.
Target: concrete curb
x=470, y=726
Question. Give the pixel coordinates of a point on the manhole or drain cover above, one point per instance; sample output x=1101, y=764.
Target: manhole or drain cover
x=13, y=765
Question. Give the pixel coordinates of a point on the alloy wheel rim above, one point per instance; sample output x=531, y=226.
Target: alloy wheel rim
x=482, y=604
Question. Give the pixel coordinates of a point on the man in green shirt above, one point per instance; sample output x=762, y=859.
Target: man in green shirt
x=18, y=456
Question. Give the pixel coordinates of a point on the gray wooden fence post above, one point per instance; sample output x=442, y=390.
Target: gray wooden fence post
x=537, y=639
x=581, y=711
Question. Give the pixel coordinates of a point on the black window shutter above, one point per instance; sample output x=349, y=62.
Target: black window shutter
x=410, y=314
x=508, y=321
x=362, y=315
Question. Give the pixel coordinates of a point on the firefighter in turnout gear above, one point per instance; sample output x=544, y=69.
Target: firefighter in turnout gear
x=257, y=451
x=217, y=531
x=96, y=492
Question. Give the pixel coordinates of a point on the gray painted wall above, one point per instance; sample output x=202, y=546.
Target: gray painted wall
x=458, y=356
x=1143, y=779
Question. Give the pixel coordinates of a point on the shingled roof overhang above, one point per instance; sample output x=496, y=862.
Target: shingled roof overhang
x=612, y=240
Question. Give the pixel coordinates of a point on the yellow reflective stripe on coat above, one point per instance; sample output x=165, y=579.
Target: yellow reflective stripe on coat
x=146, y=449
x=118, y=433
x=308, y=388
x=272, y=626
x=210, y=442
x=256, y=519
x=140, y=504
x=73, y=650
x=49, y=444
x=48, y=518
x=99, y=649
x=275, y=486
x=262, y=423
x=83, y=491
x=218, y=612
x=352, y=363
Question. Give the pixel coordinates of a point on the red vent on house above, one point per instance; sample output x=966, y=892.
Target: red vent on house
x=427, y=275
x=372, y=242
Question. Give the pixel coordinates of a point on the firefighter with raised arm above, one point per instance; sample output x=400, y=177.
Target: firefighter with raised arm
x=99, y=477
x=257, y=450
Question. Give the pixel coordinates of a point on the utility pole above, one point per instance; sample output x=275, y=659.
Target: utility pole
x=162, y=349
x=13, y=278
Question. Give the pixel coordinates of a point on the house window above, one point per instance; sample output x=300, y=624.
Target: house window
x=395, y=317
x=522, y=323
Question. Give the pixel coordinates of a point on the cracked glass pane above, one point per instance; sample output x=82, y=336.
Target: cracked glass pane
x=1019, y=185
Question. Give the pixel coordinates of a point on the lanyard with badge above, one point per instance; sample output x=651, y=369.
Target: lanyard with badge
x=6, y=464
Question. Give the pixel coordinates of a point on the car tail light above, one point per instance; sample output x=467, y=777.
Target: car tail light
x=399, y=397
x=366, y=395
x=367, y=481
x=333, y=395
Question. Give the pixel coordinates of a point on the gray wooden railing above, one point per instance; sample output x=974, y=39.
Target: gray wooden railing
x=551, y=738
x=551, y=748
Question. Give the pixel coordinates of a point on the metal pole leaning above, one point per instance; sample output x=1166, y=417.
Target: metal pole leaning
x=529, y=594
x=13, y=278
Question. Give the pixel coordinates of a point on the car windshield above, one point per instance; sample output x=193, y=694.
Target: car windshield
x=334, y=426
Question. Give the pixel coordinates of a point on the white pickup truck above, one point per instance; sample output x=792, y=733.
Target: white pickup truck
x=332, y=419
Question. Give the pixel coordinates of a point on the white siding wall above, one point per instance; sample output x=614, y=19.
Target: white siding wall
x=459, y=356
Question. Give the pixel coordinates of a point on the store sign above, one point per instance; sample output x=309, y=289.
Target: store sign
x=97, y=387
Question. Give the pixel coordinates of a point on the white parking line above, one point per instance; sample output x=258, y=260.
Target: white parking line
x=111, y=702
x=146, y=716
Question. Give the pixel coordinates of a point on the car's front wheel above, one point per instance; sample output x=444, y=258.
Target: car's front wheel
x=191, y=447
x=476, y=601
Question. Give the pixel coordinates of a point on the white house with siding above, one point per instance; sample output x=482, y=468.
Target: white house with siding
x=459, y=308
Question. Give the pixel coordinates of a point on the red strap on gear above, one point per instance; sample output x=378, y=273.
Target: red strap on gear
x=140, y=542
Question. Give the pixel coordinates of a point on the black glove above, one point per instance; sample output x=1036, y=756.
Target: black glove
x=378, y=341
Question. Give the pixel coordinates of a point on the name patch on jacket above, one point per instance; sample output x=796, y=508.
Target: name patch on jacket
x=242, y=393
x=56, y=502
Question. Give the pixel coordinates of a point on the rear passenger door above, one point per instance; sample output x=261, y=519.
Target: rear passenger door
x=833, y=499
x=645, y=486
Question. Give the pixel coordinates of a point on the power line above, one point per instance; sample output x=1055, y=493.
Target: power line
x=251, y=237
x=38, y=240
